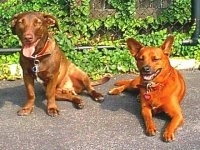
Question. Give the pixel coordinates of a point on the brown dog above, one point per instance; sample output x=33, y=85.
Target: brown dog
x=41, y=59
x=161, y=86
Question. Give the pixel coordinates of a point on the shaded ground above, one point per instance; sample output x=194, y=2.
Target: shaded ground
x=115, y=124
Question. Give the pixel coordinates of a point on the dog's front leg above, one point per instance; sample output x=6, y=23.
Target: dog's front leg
x=52, y=108
x=176, y=121
x=30, y=92
x=147, y=116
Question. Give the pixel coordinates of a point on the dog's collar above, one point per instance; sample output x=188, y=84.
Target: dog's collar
x=149, y=86
x=43, y=52
x=37, y=57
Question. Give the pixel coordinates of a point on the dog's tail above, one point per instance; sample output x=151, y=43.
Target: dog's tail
x=101, y=81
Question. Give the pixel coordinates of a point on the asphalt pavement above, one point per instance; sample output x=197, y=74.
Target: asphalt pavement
x=115, y=124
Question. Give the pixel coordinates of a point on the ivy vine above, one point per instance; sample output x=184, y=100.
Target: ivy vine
x=77, y=28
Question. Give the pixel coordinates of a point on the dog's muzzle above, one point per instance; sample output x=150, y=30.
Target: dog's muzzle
x=148, y=74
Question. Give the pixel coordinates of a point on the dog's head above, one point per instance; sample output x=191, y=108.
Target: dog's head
x=31, y=27
x=151, y=61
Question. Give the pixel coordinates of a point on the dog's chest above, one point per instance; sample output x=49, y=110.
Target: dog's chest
x=151, y=98
x=39, y=79
x=43, y=75
x=39, y=70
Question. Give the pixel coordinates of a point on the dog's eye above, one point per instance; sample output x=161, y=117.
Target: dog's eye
x=140, y=58
x=156, y=58
x=20, y=21
x=38, y=22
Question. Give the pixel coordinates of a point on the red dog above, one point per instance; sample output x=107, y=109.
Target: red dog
x=161, y=86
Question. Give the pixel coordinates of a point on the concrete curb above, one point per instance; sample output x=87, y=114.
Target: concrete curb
x=181, y=63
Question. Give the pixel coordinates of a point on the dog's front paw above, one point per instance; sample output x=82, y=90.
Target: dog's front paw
x=168, y=136
x=25, y=111
x=151, y=131
x=98, y=97
x=53, y=111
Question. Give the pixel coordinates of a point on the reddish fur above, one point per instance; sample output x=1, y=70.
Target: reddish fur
x=61, y=78
x=165, y=95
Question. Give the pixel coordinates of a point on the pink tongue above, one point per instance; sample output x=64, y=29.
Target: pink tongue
x=28, y=51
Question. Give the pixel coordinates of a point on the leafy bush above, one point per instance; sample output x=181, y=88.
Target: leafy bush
x=78, y=29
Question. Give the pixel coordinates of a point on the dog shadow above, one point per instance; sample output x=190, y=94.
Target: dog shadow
x=129, y=102
x=17, y=96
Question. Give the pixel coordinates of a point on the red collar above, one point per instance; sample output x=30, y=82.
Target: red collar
x=44, y=49
x=43, y=52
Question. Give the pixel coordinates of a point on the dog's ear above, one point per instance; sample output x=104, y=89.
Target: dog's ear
x=167, y=45
x=51, y=21
x=13, y=23
x=133, y=46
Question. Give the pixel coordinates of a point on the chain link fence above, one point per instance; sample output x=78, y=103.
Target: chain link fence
x=144, y=8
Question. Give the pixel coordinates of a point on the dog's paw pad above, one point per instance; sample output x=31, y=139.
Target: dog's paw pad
x=98, y=97
x=53, y=112
x=114, y=91
x=151, y=131
x=80, y=105
x=111, y=92
x=25, y=111
x=168, y=137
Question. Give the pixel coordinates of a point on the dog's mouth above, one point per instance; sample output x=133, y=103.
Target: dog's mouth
x=28, y=48
x=151, y=76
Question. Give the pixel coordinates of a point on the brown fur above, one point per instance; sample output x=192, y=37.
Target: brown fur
x=61, y=78
x=162, y=87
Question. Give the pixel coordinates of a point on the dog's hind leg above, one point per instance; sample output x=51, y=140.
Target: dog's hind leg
x=98, y=97
x=121, y=86
x=117, y=90
x=124, y=85
x=69, y=96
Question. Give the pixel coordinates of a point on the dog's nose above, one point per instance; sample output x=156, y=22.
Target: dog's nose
x=146, y=69
x=28, y=37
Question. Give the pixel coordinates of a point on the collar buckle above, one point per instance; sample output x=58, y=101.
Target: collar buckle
x=36, y=63
x=148, y=87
